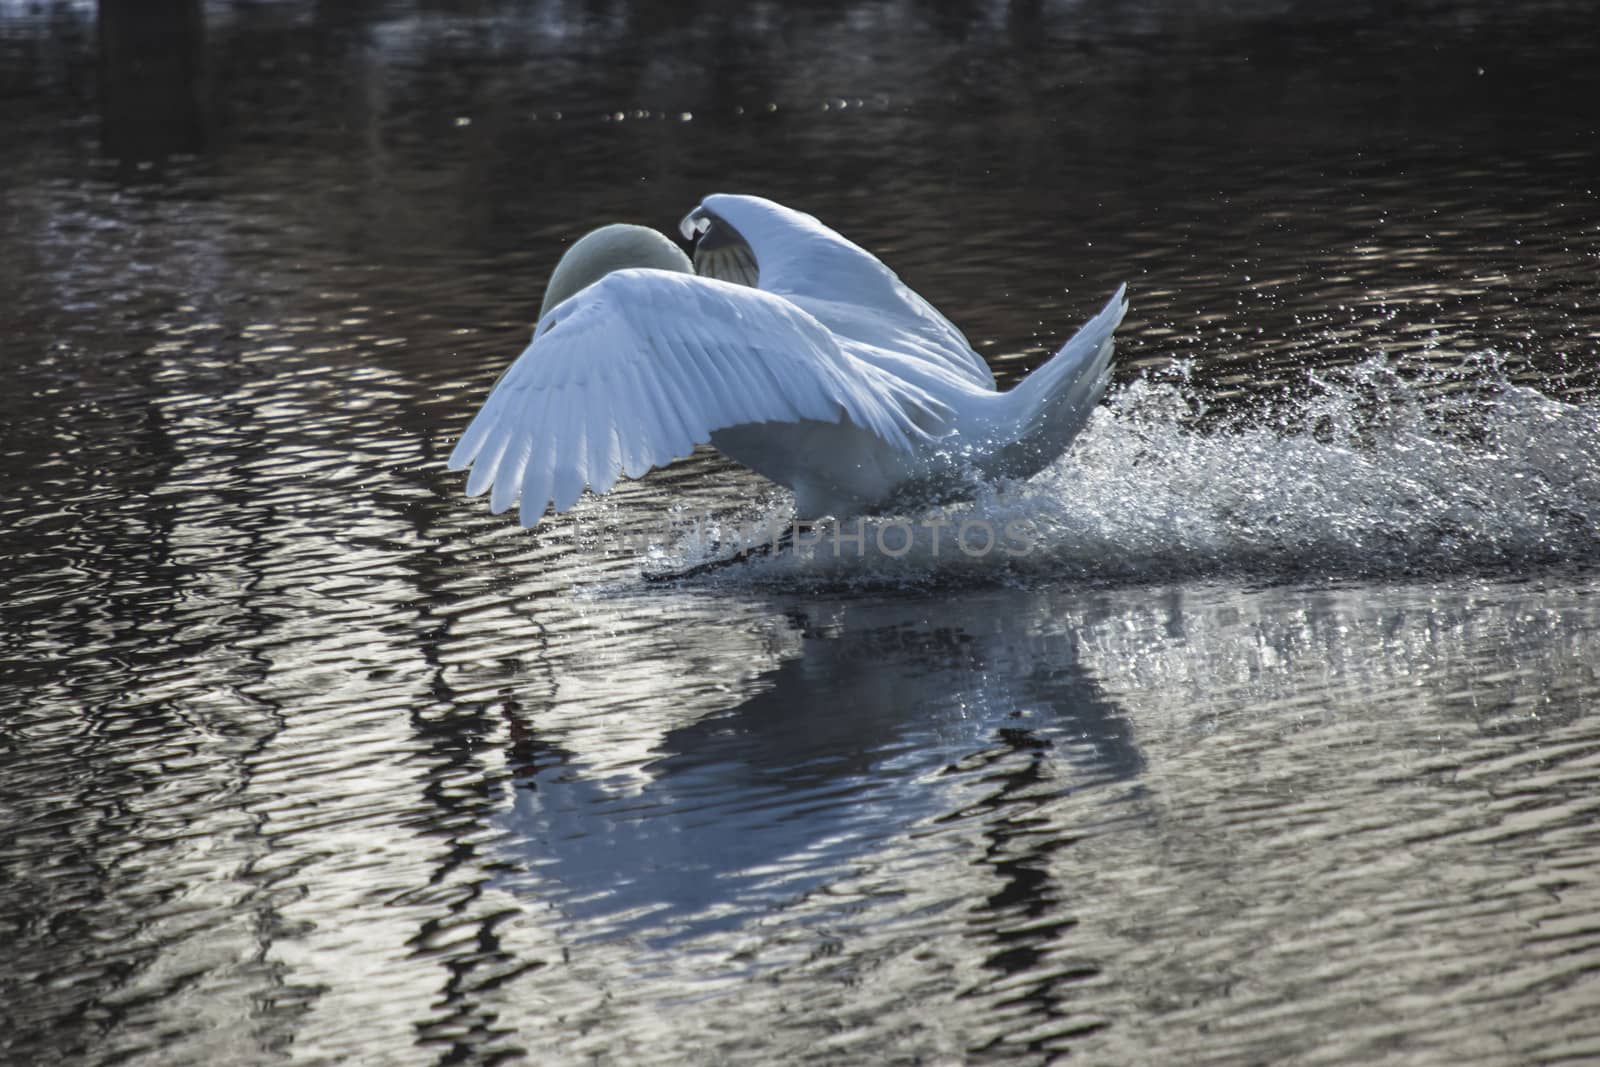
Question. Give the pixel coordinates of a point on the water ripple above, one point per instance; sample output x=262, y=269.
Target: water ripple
x=1280, y=748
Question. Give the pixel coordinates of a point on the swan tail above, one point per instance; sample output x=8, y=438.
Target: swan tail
x=1048, y=407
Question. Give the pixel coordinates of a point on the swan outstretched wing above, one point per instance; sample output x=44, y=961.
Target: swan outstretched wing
x=753, y=241
x=644, y=365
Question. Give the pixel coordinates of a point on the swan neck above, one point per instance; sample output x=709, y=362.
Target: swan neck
x=619, y=246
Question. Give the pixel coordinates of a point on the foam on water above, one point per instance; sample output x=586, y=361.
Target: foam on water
x=1374, y=469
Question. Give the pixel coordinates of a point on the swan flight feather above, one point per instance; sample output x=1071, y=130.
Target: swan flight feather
x=843, y=284
x=642, y=366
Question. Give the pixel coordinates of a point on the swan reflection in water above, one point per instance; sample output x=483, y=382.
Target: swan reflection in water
x=882, y=721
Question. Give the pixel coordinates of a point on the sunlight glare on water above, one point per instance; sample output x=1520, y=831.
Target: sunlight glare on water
x=1277, y=744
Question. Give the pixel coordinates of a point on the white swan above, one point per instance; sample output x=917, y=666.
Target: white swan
x=793, y=351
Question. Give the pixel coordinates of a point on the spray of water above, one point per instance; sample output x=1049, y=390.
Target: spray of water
x=1371, y=470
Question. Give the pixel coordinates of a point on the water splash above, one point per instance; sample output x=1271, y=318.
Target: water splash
x=1376, y=469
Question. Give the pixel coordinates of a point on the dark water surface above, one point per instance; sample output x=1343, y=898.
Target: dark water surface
x=1279, y=746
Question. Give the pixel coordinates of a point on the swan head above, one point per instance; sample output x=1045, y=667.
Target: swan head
x=619, y=246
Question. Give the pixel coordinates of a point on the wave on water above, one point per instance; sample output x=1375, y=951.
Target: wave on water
x=1376, y=469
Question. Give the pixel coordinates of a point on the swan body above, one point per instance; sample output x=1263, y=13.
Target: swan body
x=786, y=347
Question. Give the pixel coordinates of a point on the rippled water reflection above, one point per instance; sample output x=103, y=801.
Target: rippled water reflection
x=1280, y=748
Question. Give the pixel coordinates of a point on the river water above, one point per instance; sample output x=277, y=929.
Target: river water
x=1278, y=744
